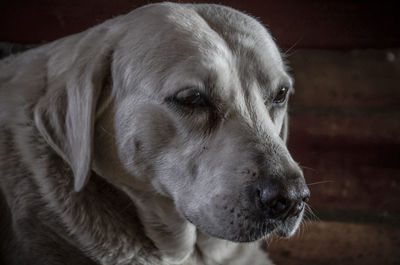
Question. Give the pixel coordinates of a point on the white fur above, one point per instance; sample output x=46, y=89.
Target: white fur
x=94, y=103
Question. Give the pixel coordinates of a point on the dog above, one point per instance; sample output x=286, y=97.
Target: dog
x=157, y=137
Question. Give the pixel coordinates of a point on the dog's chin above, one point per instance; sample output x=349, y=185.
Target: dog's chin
x=254, y=230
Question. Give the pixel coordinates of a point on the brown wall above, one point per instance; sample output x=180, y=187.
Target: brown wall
x=345, y=114
x=345, y=127
x=305, y=24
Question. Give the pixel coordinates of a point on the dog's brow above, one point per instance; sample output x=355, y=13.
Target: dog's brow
x=211, y=87
x=285, y=83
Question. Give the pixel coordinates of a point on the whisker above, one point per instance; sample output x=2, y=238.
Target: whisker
x=308, y=168
x=320, y=182
x=303, y=228
x=269, y=240
x=292, y=47
x=309, y=213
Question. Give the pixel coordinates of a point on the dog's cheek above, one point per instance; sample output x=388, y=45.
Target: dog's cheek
x=143, y=134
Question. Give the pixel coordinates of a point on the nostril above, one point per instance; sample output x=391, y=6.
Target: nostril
x=279, y=199
x=298, y=208
x=269, y=200
x=306, y=196
x=279, y=205
x=267, y=196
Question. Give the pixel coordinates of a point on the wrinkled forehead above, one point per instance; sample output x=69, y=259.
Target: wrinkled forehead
x=188, y=45
x=249, y=41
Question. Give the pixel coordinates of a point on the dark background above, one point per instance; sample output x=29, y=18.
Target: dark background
x=345, y=114
x=306, y=24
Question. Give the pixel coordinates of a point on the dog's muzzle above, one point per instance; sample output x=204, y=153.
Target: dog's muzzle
x=279, y=200
x=279, y=203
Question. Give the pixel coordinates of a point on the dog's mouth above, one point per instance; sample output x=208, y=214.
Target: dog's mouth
x=288, y=227
x=264, y=227
x=252, y=228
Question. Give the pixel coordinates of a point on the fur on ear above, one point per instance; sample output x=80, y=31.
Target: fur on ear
x=65, y=114
x=285, y=128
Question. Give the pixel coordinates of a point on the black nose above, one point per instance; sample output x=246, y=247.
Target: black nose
x=281, y=200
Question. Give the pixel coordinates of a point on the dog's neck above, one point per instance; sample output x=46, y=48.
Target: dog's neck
x=102, y=220
x=173, y=236
x=105, y=221
x=176, y=240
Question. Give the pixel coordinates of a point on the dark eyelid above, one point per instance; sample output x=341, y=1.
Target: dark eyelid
x=288, y=85
x=200, y=89
x=203, y=102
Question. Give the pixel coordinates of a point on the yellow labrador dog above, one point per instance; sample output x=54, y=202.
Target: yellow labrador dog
x=157, y=137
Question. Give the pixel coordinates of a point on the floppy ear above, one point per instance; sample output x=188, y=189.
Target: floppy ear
x=65, y=114
x=285, y=127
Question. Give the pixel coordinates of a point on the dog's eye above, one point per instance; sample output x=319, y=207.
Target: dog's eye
x=281, y=96
x=191, y=98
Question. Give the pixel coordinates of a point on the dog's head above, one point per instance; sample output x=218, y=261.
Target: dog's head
x=194, y=109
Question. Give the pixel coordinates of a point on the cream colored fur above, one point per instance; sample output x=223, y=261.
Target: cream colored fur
x=98, y=167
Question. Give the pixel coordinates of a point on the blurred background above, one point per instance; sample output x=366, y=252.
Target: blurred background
x=345, y=114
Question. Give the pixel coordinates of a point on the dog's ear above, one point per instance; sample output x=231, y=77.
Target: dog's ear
x=65, y=115
x=285, y=128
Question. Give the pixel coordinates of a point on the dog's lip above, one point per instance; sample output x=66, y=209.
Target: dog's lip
x=286, y=228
